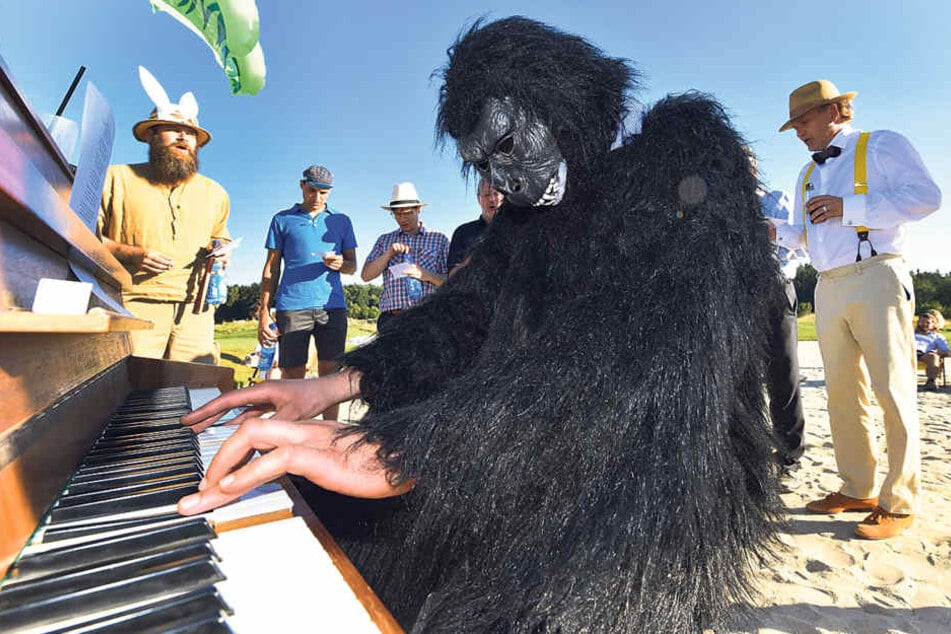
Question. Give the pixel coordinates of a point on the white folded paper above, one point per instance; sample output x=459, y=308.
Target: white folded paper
x=61, y=297
x=227, y=247
x=399, y=270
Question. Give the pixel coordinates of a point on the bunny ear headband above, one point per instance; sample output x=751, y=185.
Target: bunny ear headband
x=185, y=112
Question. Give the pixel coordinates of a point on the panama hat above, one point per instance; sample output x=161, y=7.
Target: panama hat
x=404, y=195
x=185, y=112
x=812, y=95
x=174, y=117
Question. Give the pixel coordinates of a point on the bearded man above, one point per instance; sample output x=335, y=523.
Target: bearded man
x=159, y=220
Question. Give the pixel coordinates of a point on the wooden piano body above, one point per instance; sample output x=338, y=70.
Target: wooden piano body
x=61, y=377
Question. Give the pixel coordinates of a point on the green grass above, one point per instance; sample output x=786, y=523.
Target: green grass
x=807, y=327
x=238, y=338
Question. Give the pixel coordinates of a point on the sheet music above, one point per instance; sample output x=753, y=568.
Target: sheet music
x=97, y=135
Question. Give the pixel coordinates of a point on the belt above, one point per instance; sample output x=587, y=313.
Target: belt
x=393, y=312
x=856, y=268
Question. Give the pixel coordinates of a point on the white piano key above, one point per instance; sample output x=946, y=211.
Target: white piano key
x=280, y=579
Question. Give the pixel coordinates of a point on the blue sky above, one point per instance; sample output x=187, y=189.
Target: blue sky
x=349, y=86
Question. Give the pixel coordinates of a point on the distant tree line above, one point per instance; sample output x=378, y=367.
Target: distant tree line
x=363, y=302
x=932, y=290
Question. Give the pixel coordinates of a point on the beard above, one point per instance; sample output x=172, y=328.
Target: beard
x=168, y=167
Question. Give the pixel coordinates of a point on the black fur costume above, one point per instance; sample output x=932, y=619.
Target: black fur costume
x=582, y=404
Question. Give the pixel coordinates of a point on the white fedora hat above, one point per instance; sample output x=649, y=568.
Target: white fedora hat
x=404, y=195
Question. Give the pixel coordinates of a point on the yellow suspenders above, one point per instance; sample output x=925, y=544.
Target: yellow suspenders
x=861, y=162
x=860, y=187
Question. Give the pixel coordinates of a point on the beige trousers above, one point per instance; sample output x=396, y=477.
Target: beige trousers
x=864, y=323
x=178, y=335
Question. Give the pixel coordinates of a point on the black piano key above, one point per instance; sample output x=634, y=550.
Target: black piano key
x=112, y=598
x=133, y=447
x=152, y=410
x=137, y=463
x=160, y=496
x=156, y=396
x=146, y=485
x=119, y=423
x=142, y=420
x=121, y=429
x=36, y=591
x=106, y=455
x=132, y=465
x=145, y=541
x=118, y=481
x=106, y=441
x=100, y=460
x=202, y=610
x=55, y=532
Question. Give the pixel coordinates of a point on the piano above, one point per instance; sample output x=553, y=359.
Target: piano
x=92, y=459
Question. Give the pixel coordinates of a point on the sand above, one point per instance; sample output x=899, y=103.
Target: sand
x=828, y=581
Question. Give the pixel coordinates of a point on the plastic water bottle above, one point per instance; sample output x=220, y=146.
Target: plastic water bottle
x=266, y=354
x=414, y=288
x=217, y=289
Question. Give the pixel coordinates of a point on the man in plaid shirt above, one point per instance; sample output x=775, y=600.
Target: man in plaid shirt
x=412, y=259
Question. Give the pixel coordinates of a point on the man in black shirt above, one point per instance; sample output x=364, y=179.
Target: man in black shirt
x=466, y=235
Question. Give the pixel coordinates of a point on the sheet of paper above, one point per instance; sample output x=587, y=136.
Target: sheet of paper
x=399, y=270
x=61, y=297
x=95, y=150
x=227, y=247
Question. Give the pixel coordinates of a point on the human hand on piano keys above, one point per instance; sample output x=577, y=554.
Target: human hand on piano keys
x=313, y=449
x=295, y=399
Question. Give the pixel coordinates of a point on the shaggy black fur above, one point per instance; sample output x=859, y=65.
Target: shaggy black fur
x=582, y=405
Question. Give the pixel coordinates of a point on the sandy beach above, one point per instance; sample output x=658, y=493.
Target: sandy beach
x=826, y=581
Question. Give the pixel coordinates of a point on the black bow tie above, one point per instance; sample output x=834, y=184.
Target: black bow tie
x=830, y=152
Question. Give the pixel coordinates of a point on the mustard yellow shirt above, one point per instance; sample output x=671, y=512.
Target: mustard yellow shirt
x=179, y=222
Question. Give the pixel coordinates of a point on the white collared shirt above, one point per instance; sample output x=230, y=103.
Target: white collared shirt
x=900, y=190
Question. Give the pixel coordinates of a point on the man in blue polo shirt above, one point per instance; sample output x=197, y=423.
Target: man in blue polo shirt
x=316, y=244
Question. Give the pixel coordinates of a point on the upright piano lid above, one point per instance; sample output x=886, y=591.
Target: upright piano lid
x=17, y=117
x=35, y=185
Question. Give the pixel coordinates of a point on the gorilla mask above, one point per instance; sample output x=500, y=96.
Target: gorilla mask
x=517, y=154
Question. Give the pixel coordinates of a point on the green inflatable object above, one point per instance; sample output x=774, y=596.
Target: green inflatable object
x=230, y=28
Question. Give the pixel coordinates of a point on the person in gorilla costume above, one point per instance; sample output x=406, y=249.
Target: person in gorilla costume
x=571, y=433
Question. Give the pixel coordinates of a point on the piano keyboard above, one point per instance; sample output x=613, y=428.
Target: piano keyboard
x=114, y=556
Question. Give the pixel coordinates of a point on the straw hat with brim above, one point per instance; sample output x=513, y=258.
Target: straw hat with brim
x=404, y=195
x=812, y=95
x=173, y=117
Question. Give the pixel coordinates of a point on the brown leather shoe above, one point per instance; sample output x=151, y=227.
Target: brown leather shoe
x=881, y=524
x=837, y=503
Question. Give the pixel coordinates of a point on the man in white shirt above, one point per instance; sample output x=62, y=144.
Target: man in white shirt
x=851, y=203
